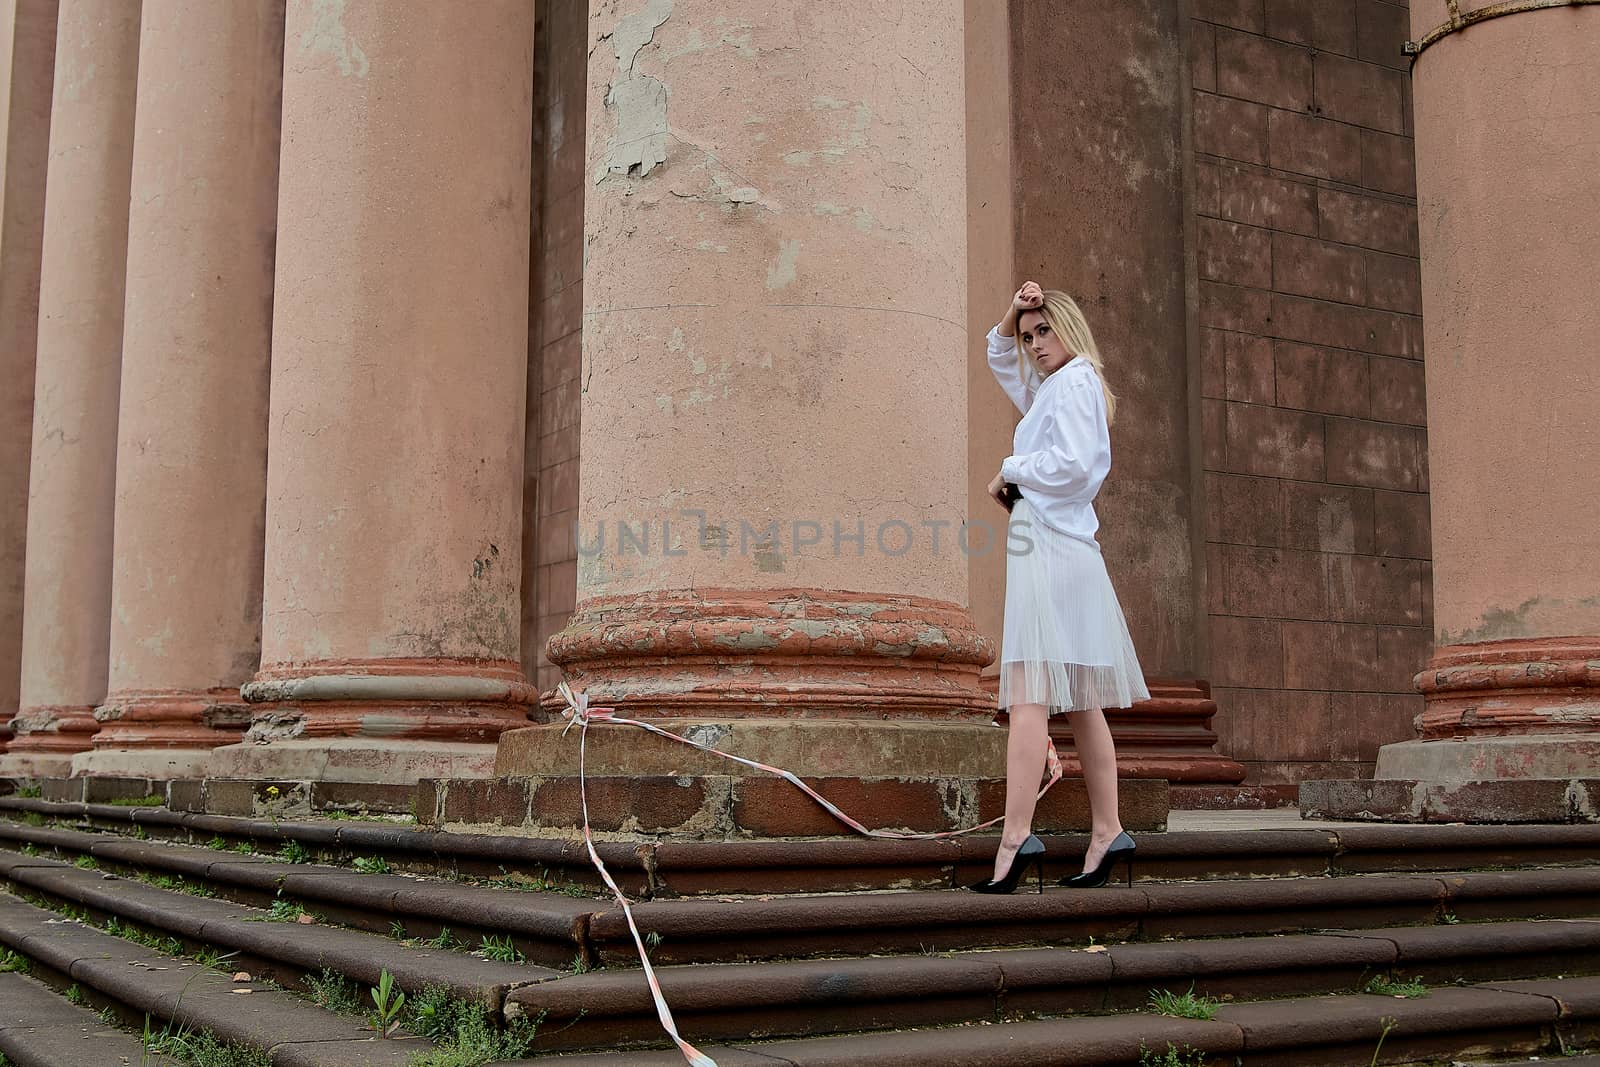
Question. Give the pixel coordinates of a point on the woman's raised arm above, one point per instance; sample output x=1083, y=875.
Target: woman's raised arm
x=1005, y=361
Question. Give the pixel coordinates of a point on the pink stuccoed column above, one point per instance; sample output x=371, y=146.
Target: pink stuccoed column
x=67, y=598
x=774, y=461
x=1508, y=175
x=197, y=333
x=775, y=231
x=390, y=632
x=27, y=64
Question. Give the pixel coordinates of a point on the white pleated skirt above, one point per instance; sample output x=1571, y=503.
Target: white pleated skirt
x=1066, y=643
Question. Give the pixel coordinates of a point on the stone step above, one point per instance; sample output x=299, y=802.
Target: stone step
x=745, y=928
x=137, y=983
x=552, y=929
x=1447, y=1026
x=734, y=1000
x=285, y=952
x=723, y=1002
x=38, y=1028
x=548, y=928
x=648, y=868
x=939, y=982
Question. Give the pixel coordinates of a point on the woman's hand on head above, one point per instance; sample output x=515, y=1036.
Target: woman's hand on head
x=1028, y=297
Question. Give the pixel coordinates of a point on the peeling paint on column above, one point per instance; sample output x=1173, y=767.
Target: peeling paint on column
x=327, y=34
x=750, y=641
x=638, y=102
x=781, y=272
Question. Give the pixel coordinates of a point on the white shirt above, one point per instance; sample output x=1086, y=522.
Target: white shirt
x=1062, y=447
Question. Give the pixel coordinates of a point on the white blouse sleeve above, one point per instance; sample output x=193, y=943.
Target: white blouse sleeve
x=1078, y=457
x=1003, y=364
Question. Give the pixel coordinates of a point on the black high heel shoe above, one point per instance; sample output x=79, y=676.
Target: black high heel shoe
x=1122, y=848
x=1030, y=853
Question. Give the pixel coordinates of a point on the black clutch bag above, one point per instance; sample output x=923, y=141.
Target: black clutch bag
x=1009, y=495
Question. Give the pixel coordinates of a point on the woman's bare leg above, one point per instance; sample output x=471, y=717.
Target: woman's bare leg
x=1098, y=757
x=1026, y=743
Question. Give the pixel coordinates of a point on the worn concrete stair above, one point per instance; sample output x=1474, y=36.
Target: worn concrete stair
x=648, y=868
x=553, y=929
x=286, y=952
x=1448, y=1026
x=903, y=959
x=546, y=928
x=135, y=983
x=40, y=1029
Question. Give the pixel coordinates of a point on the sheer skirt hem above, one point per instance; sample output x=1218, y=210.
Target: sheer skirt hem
x=1063, y=687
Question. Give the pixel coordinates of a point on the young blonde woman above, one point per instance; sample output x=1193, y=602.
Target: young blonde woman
x=1065, y=649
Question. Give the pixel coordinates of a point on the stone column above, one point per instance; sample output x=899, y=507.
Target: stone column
x=27, y=64
x=197, y=332
x=773, y=466
x=1101, y=169
x=1508, y=174
x=390, y=644
x=67, y=599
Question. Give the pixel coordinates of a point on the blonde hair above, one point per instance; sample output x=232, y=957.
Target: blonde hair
x=1067, y=322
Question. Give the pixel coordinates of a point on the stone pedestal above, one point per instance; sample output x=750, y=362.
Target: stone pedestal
x=197, y=331
x=1508, y=171
x=390, y=636
x=67, y=598
x=27, y=65
x=902, y=775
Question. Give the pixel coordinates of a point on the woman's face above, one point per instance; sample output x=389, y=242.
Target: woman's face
x=1038, y=338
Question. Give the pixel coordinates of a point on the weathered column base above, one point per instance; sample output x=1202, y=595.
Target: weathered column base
x=159, y=764
x=162, y=734
x=376, y=721
x=375, y=761
x=1510, y=733
x=717, y=807
x=726, y=654
x=1470, y=759
x=902, y=775
x=46, y=738
x=1518, y=687
x=35, y=765
x=828, y=747
x=1507, y=800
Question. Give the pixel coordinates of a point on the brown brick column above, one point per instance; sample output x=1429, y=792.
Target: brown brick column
x=1107, y=224
x=197, y=330
x=1311, y=378
x=67, y=601
x=1508, y=173
x=27, y=66
x=390, y=616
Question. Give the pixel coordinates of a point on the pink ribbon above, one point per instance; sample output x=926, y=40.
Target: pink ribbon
x=579, y=714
